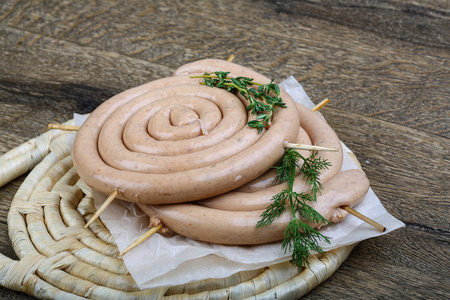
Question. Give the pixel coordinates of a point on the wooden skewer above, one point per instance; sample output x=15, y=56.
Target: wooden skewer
x=364, y=218
x=321, y=104
x=142, y=238
x=309, y=147
x=64, y=127
x=102, y=208
x=230, y=59
x=347, y=208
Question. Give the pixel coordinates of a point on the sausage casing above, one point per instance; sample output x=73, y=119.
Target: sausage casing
x=239, y=227
x=163, y=169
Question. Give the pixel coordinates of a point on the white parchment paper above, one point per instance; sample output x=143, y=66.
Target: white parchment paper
x=161, y=261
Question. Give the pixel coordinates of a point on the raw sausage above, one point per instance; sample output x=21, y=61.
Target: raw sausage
x=156, y=169
x=239, y=227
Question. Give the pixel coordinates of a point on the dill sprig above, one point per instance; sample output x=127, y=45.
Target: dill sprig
x=262, y=101
x=299, y=237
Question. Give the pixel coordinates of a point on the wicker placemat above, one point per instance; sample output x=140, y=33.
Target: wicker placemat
x=61, y=259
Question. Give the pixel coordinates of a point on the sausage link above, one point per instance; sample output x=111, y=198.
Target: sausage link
x=239, y=227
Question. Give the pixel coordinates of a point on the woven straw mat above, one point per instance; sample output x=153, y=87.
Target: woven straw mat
x=60, y=259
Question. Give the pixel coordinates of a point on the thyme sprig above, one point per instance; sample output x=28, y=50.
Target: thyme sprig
x=299, y=236
x=262, y=101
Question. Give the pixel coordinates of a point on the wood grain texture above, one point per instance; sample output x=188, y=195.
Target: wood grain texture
x=384, y=65
x=425, y=23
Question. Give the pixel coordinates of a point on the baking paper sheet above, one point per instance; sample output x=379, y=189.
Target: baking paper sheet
x=161, y=261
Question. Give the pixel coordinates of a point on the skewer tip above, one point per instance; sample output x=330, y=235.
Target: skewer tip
x=309, y=147
x=141, y=239
x=231, y=57
x=321, y=104
x=364, y=218
x=64, y=127
x=102, y=208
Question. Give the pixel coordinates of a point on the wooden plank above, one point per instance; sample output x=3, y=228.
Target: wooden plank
x=419, y=23
x=405, y=166
x=402, y=83
x=406, y=271
x=27, y=108
x=384, y=65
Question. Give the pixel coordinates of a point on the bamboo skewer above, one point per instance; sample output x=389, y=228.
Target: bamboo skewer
x=347, y=208
x=64, y=127
x=309, y=147
x=321, y=104
x=142, y=238
x=110, y=198
x=102, y=208
x=364, y=218
x=230, y=59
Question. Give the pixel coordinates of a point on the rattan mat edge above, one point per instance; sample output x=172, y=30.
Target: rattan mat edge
x=60, y=259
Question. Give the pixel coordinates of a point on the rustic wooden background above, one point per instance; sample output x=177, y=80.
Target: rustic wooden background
x=384, y=65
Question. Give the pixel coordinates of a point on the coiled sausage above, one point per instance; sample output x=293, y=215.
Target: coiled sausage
x=127, y=143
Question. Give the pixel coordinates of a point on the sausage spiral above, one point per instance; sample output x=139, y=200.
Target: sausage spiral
x=173, y=140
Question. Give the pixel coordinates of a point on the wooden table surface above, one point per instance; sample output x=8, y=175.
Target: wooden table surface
x=383, y=64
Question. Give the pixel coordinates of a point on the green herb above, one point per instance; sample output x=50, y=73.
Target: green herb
x=299, y=237
x=263, y=100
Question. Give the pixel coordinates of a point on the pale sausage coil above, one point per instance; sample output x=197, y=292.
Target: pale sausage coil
x=174, y=140
x=162, y=142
